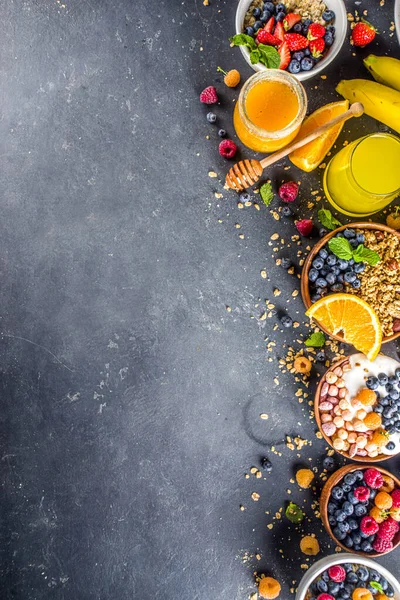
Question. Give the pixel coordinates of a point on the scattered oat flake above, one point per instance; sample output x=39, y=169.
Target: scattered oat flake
x=264, y=416
x=255, y=496
x=212, y=174
x=218, y=195
x=264, y=274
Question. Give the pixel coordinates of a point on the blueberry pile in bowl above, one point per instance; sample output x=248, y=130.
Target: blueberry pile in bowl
x=363, y=511
x=349, y=581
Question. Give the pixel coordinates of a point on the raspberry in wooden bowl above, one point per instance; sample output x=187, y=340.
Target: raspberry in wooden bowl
x=357, y=407
x=360, y=509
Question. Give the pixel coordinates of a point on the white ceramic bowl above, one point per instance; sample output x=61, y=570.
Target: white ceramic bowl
x=339, y=9
x=397, y=18
x=337, y=559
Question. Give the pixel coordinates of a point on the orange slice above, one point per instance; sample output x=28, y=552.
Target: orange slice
x=312, y=154
x=352, y=319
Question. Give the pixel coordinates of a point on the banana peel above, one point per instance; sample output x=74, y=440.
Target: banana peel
x=384, y=69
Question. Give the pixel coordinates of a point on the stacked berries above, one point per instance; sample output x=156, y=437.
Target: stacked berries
x=300, y=42
x=329, y=273
x=387, y=389
x=364, y=511
x=349, y=580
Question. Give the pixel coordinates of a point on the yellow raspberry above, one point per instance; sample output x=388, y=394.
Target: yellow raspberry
x=380, y=438
x=366, y=397
x=378, y=514
x=302, y=365
x=388, y=484
x=269, y=587
x=395, y=513
x=393, y=220
x=232, y=78
x=362, y=594
x=383, y=500
x=309, y=545
x=304, y=478
x=373, y=420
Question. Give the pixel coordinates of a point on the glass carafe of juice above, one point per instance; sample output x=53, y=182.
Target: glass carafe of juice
x=364, y=177
x=270, y=109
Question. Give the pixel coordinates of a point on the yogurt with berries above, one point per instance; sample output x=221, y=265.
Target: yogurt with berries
x=359, y=406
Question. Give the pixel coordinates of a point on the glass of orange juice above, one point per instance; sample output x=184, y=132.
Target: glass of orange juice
x=364, y=176
x=271, y=107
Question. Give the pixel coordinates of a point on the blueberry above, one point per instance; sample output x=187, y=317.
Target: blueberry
x=331, y=260
x=359, y=267
x=318, y=263
x=349, y=276
x=298, y=28
x=256, y=12
x=356, y=537
x=374, y=575
x=328, y=15
x=281, y=8
x=286, y=263
x=348, y=542
x=384, y=401
x=332, y=507
x=344, y=593
x=323, y=253
x=332, y=521
x=378, y=409
x=366, y=546
x=333, y=588
x=221, y=133
x=362, y=573
x=287, y=212
x=353, y=525
x=340, y=535
x=294, y=67
x=384, y=583
x=249, y=31
x=350, y=478
x=388, y=413
x=389, y=591
x=265, y=16
x=332, y=29
x=348, y=508
x=353, y=243
x=322, y=586
x=394, y=394
x=351, y=498
x=351, y=262
x=325, y=576
x=211, y=117
x=340, y=516
x=397, y=426
x=359, y=474
x=397, y=372
x=337, y=287
x=244, y=197
x=266, y=464
x=257, y=25
x=346, y=487
x=343, y=526
x=307, y=63
x=342, y=264
x=372, y=494
x=372, y=382
x=349, y=233
x=331, y=278
x=352, y=577
x=286, y=321
x=322, y=231
x=356, y=284
x=337, y=493
x=360, y=510
x=315, y=297
x=321, y=282
x=313, y=275
x=280, y=16
x=348, y=567
x=321, y=357
x=392, y=379
x=360, y=237
x=306, y=25
x=269, y=6
x=371, y=589
x=383, y=378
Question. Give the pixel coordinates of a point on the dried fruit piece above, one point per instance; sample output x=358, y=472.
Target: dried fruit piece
x=304, y=478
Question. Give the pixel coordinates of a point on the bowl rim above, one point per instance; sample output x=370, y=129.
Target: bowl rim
x=304, y=289
x=341, y=17
x=326, y=493
x=317, y=415
x=335, y=559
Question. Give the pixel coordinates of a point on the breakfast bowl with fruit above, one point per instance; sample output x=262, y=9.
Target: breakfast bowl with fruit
x=300, y=36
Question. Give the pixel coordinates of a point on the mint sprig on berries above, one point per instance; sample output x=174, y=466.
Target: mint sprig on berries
x=266, y=55
x=327, y=219
x=294, y=513
x=266, y=193
x=377, y=586
x=343, y=249
x=316, y=340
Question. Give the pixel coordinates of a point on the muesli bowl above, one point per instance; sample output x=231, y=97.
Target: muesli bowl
x=339, y=9
x=318, y=568
x=380, y=285
x=357, y=407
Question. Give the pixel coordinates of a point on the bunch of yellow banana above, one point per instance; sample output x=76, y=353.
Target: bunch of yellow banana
x=380, y=100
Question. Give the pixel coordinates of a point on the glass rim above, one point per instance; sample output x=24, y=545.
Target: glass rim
x=365, y=137
x=274, y=75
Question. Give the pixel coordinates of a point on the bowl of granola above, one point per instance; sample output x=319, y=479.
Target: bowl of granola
x=300, y=36
x=372, y=273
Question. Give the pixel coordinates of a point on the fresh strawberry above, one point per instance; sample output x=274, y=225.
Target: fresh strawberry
x=284, y=53
x=290, y=20
x=263, y=37
x=363, y=33
x=295, y=41
x=270, y=25
x=317, y=47
x=279, y=31
x=316, y=31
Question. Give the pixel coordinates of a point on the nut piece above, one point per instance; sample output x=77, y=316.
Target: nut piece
x=392, y=264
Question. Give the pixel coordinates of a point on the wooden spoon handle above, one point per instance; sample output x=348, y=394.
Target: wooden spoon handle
x=355, y=110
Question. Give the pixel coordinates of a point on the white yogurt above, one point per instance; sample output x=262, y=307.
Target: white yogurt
x=355, y=380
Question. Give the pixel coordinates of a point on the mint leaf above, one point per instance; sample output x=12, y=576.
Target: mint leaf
x=294, y=513
x=266, y=193
x=376, y=586
x=255, y=56
x=341, y=248
x=364, y=254
x=316, y=340
x=269, y=56
x=241, y=39
x=327, y=219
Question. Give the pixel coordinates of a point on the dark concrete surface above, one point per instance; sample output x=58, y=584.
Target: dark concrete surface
x=130, y=396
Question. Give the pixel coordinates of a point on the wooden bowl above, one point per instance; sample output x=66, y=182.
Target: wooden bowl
x=326, y=493
x=305, y=292
x=361, y=459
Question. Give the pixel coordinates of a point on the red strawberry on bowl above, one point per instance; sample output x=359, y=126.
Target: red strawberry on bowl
x=317, y=47
x=284, y=53
x=270, y=25
x=279, y=32
x=363, y=33
x=290, y=20
x=316, y=31
x=263, y=37
x=296, y=41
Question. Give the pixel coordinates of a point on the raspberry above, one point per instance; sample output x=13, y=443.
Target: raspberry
x=337, y=573
x=232, y=77
x=304, y=226
x=388, y=529
x=372, y=420
x=209, y=95
x=366, y=397
x=396, y=498
x=304, y=478
x=309, y=545
x=288, y=191
x=362, y=493
x=373, y=478
x=383, y=500
x=380, y=545
x=325, y=597
x=269, y=588
x=388, y=485
x=227, y=149
x=369, y=526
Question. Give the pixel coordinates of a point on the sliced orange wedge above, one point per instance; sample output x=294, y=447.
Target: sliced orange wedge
x=312, y=154
x=350, y=318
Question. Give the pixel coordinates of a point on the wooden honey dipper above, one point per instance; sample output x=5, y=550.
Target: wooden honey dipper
x=247, y=172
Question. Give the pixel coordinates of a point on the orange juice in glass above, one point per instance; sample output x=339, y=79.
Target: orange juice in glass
x=271, y=107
